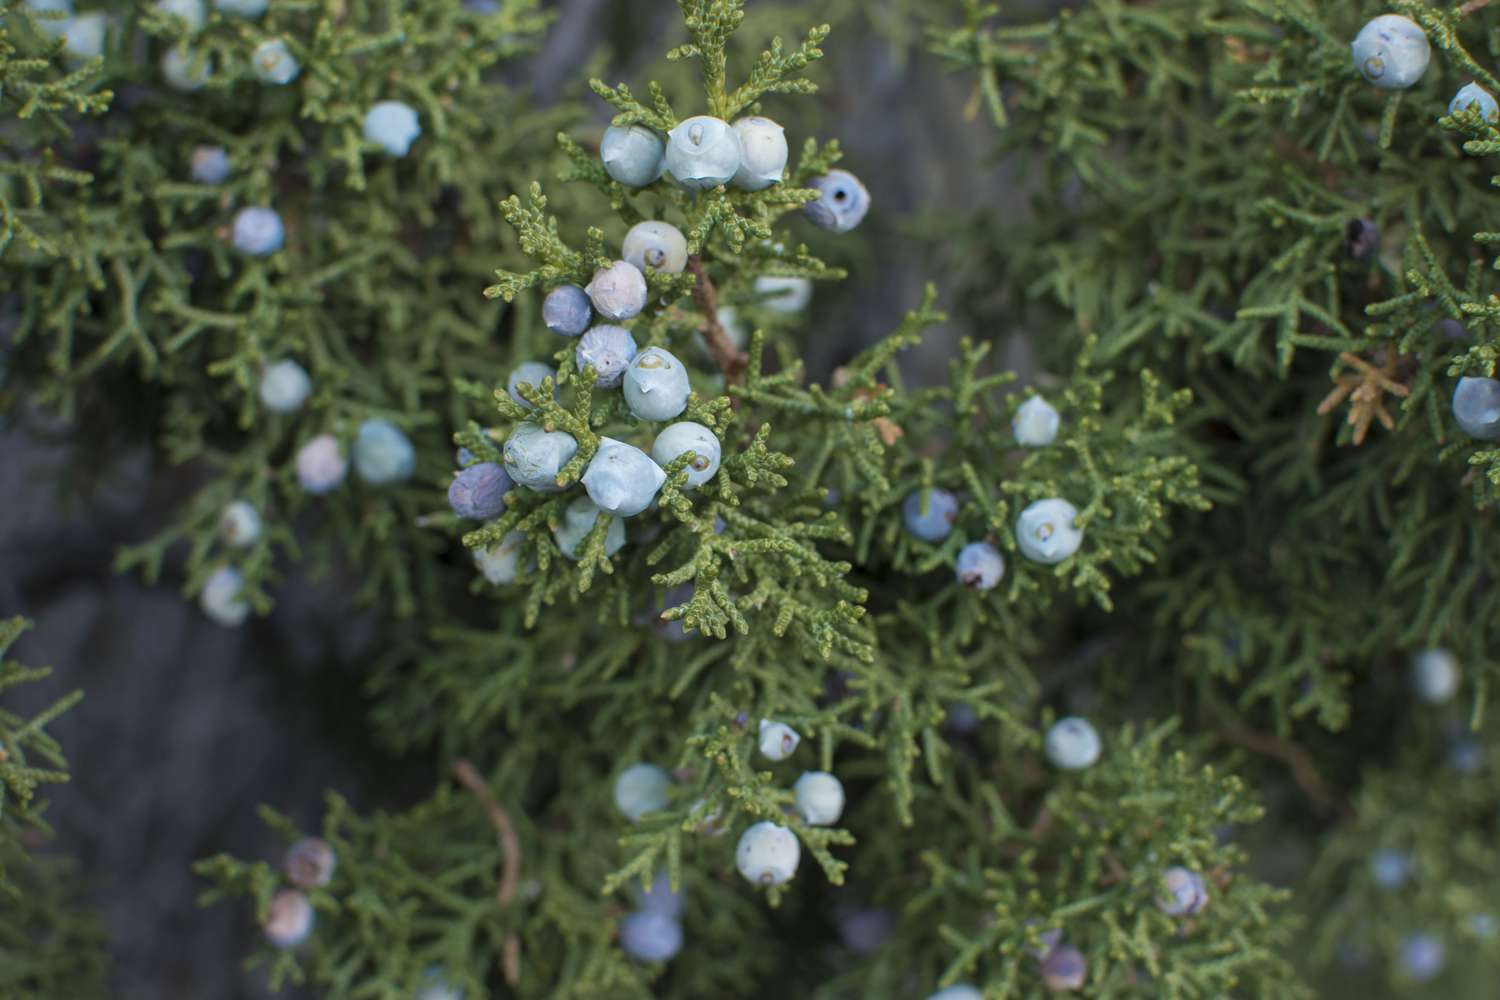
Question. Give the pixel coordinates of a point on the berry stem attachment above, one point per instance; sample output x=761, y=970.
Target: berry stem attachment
x=510, y=872
x=731, y=360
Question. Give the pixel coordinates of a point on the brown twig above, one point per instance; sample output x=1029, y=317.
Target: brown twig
x=1304, y=771
x=730, y=359
x=1472, y=6
x=510, y=871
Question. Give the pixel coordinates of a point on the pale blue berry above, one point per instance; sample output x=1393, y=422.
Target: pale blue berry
x=310, y=863
x=688, y=436
x=703, y=152
x=435, y=986
x=383, y=453
x=52, y=27
x=1473, y=95
x=777, y=740
x=578, y=520
x=210, y=164
x=1182, y=892
x=84, y=36
x=1435, y=675
x=632, y=154
x=321, y=465
x=1065, y=969
x=1476, y=407
x=842, y=201
x=767, y=854
x=289, y=919
x=1422, y=956
x=641, y=789
x=656, y=385
x=534, y=456
x=1045, y=532
x=1035, y=423
x=242, y=8
x=393, y=126
x=239, y=524
x=819, y=797
x=531, y=373
x=617, y=291
x=660, y=898
x=478, y=492
x=621, y=478
x=658, y=246
x=184, y=69
x=566, y=310
x=929, y=514
x=1072, y=743
x=1483, y=925
x=190, y=12
x=609, y=349
x=1390, y=868
x=258, y=231
x=220, y=597
x=763, y=153
x=734, y=327
x=1391, y=52
x=500, y=563
x=864, y=930
x=979, y=566
x=650, y=937
x=272, y=62
x=958, y=991
x=284, y=386
x=785, y=294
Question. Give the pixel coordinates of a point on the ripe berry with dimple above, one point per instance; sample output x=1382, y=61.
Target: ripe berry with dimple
x=842, y=201
x=1473, y=95
x=641, y=789
x=478, y=492
x=534, y=456
x=310, y=862
x=1476, y=407
x=979, y=566
x=383, y=453
x=321, y=465
x=618, y=291
x=1035, y=423
x=289, y=919
x=1072, y=743
x=632, y=154
x=685, y=436
x=819, y=798
x=656, y=385
x=610, y=350
x=1045, y=531
x=621, y=478
x=763, y=153
x=272, y=62
x=777, y=740
x=767, y=854
x=703, y=152
x=929, y=513
x=1391, y=51
x=566, y=310
x=650, y=937
x=658, y=246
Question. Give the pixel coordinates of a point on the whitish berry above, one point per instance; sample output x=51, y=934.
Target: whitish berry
x=842, y=201
x=1390, y=868
x=393, y=126
x=979, y=566
x=1048, y=940
x=820, y=798
x=435, y=986
x=1182, y=892
x=210, y=164
x=242, y=8
x=660, y=898
x=1065, y=969
x=52, y=28
x=659, y=246
x=641, y=789
x=84, y=36
x=703, y=152
x=534, y=456
x=685, y=436
x=321, y=465
x=1435, y=675
x=578, y=520
x=273, y=63
x=929, y=514
x=767, y=854
x=609, y=349
x=1422, y=956
x=190, y=12
x=1476, y=407
x=239, y=524
x=478, y=492
x=1072, y=743
x=777, y=740
x=289, y=919
x=566, y=310
x=1472, y=95
x=258, y=231
x=784, y=293
x=958, y=991
x=618, y=291
x=650, y=937
x=729, y=319
x=621, y=478
x=500, y=563
x=1045, y=532
x=1391, y=52
x=763, y=153
x=656, y=385
x=632, y=154
x=1035, y=423
x=185, y=69
x=284, y=386
x=310, y=862
x=220, y=597
x=383, y=453
x=530, y=373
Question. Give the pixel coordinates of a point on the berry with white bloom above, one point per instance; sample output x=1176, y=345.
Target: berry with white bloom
x=210, y=164
x=1183, y=892
x=272, y=62
x=530, y=373
x=703, y=152
x=763, y=153
x=220, y=597
x=641, y=789
x=958, y=991
x=1391, y=51
x=979, y=566
x=52, y=27
x=632, y=154
x=820, y=798
x=656, y=385
x=383, y=453
x=1072, y=743
x=658, y=246
x=650, y=937
x=1422, y=956
x=784, y=293
x=660, y=898
x=184, y=69
x=1065, y=969
x=393, y=126
x=534, y=456
x=578, y=520
x=1473, y=95
x=1390, y=868
x=258, y=231
x=242, y=8
x=767, y=854
x=842, y=201
x=289, y=919
x=1435, y=675
x=239, y=524
x=1045, y=532
x=478, y=492
x=685, y=436
x=621, y=478
x=1035, y=423
x=500, y=563
x=777, y=740
x=929, y=514
x=566, y=310
x=190, y=12
x=84, y=36
x=310, y=862
x=1476, y=407
x=284, y=386
x=321, y=465
x=609, y=349
x=617, y=291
